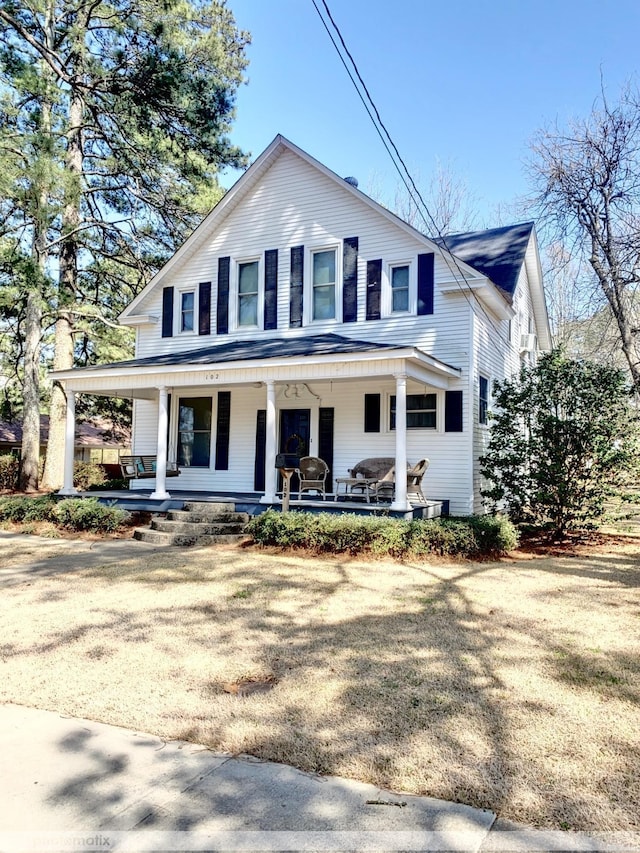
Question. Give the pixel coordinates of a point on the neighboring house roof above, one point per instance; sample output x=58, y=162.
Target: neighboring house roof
x=499, y=253
x=88, y=434
x=254, y=350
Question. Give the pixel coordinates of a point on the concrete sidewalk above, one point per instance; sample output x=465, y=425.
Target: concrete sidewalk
x=73, y=775
x=70, y=784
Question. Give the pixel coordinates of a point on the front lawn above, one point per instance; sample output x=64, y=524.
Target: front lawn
x=510, y=685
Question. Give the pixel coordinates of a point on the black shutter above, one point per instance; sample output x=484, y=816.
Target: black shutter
x=222, y=313
x=350, y=280
x=261, y=451
x=295, y=286
x=271, y=289
x=325, y=444
x=453, y=411
x=204, y=308
x=222, y=430
x=372, y=412
x=425, y=283
x=167, y=312
x=374, y=288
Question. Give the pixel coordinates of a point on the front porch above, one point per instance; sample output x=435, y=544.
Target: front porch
x=141, y=500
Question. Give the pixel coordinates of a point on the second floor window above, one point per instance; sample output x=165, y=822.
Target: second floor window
x=400, y=288
x=248, y=286
x=483, y=401
x=187, y=311
x=324, y=285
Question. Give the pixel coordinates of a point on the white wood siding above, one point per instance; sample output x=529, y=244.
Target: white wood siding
x=295, y=204
x=448, y=477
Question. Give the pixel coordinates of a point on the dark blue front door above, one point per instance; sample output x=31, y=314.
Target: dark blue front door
x=295, y=433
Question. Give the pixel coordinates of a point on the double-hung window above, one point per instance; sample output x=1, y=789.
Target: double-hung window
x=324, y=284
x=483, y=400
x=187, y=310
x=248, y=290
x=399, y=279
x=194, y=432
x=421, y=411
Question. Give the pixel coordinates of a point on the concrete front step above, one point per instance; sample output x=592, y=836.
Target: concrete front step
x=207, y=508
x=227, y=516
x=198, y=528
x=158, y=537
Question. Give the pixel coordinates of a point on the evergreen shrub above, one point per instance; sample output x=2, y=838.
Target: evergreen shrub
x=383, y=536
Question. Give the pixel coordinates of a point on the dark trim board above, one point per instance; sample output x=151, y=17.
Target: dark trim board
x=139, y=500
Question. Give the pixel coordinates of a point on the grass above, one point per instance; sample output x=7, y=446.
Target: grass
x=510, y=685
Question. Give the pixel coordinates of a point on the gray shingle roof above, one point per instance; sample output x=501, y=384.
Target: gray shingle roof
x=254, y=350
x=497, y=252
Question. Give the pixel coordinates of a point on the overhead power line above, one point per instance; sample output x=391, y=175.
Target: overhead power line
x=396, y=158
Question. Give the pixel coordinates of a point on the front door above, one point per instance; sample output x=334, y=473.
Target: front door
x=295, y=433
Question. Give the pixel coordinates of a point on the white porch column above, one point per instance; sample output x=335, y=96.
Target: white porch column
x=69, y=445
x=270, y=473
x=161, y=454
x=400, y=501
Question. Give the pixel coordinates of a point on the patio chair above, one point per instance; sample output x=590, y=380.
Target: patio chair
x=312, y=472
x=414, y=481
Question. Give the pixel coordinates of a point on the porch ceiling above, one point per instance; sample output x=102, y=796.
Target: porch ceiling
x=295, y=359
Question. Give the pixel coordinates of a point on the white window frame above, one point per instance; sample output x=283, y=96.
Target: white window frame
x=180, y=292
x=439, y=411
x=174, y=433
x=234, y=306
x=387, y=290
x=308, y=317
x=486, y=376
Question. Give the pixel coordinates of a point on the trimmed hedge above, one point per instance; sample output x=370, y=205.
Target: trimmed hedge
x=71, y=514
x=327, y=533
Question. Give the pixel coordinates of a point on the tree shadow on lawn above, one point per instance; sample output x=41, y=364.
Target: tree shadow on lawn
x=410, y=696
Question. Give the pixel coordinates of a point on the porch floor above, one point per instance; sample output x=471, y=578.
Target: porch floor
x=140, y=500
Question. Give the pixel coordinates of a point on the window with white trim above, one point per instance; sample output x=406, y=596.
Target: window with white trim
x=248, y=293
x=483, y=400
x=194, y=432
x=422, y=411
x=187, y=310
x=324, y=284
x=399, y=281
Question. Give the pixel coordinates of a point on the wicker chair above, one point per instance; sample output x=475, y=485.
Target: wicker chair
x=414, y=481
x=312, y=472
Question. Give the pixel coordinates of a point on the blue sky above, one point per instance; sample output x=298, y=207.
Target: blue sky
x=466, y=83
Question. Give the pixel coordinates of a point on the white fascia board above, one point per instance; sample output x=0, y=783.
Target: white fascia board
x=139, y=320
x=81, y=377
x=538, y=299
x=206, y=226
x=484, y=290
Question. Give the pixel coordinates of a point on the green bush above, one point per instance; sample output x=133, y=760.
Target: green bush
x=20, y=509
x=353, y=534
x=88, y=514
x=9, y=468
x=87, y=475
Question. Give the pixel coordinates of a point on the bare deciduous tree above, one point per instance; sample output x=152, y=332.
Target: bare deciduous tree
x=451, y=205
x=587, y=194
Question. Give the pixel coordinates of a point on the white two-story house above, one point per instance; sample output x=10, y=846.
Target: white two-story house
x=301, y=315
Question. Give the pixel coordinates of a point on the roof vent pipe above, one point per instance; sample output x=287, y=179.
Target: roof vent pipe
x=352, y=181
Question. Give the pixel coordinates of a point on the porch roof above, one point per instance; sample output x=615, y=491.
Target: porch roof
x=253, y=358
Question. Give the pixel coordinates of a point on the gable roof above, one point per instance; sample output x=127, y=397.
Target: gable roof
x=498, y=253
x=235, y=195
